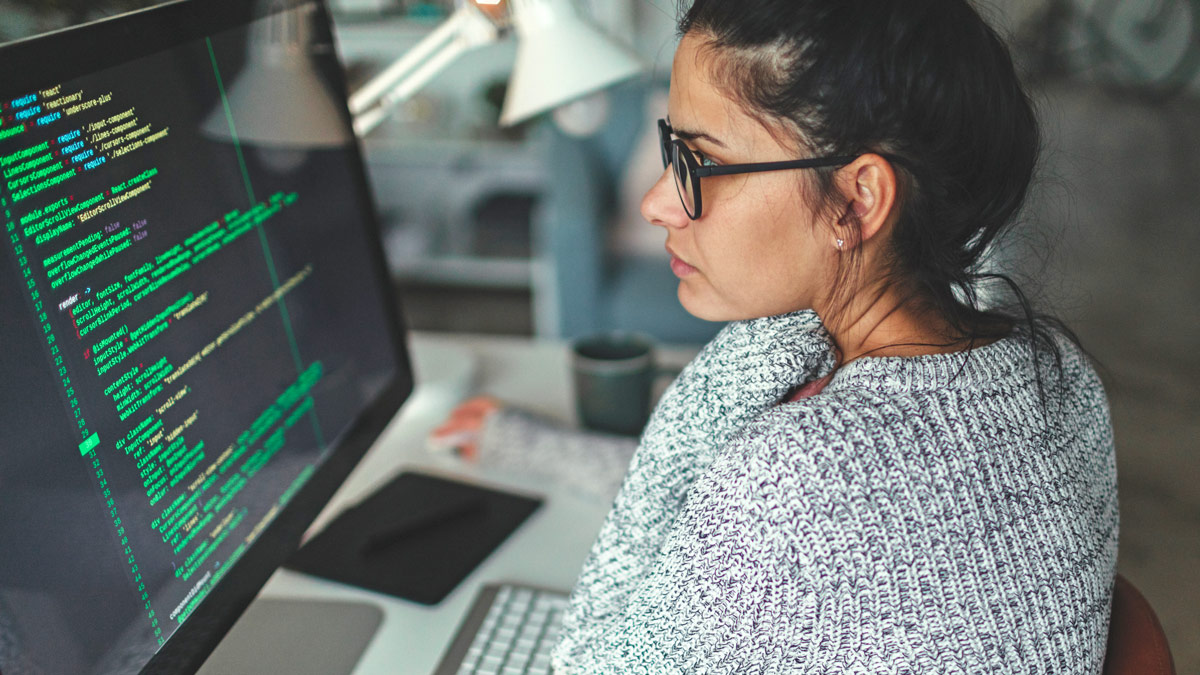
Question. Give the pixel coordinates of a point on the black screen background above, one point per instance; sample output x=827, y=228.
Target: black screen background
x=68, y=601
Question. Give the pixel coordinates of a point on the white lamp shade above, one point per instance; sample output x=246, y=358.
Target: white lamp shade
x=280, y=75
x=256, y=99
x=560, y=58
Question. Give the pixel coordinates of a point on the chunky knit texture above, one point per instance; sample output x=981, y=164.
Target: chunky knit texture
x=587, y=462
x=930, y=514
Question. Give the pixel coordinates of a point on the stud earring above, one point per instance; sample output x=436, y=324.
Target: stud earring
x=840, y=243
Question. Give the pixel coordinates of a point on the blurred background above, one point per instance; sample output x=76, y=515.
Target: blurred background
x=534, y=229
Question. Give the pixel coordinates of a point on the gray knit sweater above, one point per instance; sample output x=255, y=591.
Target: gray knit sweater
x=930, y=514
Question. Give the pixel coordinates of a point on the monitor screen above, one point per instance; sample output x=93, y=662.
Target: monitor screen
x=198, y=337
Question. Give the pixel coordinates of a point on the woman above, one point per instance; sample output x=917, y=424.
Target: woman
x=911, y=483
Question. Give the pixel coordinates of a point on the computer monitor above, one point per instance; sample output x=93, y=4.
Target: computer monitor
x=198, y=338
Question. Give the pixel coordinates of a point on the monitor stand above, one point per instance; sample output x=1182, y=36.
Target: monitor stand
x=284, y=637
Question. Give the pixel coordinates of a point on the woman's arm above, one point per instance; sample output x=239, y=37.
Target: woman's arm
x=748, y=367
x=775, y=564
x=745, y=371
x=589, y=461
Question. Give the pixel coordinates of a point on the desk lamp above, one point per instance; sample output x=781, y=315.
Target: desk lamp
x=560, y=57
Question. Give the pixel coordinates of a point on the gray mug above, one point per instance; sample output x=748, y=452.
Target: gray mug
x=613, y=374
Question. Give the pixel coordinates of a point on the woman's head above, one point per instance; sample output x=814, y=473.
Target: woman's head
x=756, y=248
x=925, y=84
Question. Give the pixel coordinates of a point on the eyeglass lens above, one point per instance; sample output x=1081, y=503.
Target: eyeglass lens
x=683, y=179
x=672, y=155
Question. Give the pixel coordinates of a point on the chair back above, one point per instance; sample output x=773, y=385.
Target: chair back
x=1137, y=644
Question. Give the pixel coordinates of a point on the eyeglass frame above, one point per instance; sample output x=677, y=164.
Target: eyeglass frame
x=674, y=147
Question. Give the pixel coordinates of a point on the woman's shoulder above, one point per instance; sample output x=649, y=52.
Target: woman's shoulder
x=1019, y=365
x=1007, y=399
x=798, y=442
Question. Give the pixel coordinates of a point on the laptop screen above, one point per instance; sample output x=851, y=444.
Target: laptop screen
x=198, y=339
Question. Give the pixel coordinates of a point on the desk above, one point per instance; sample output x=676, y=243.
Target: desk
x=547, y=550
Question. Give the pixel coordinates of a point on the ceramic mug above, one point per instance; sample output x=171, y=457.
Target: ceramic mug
x=613, y=375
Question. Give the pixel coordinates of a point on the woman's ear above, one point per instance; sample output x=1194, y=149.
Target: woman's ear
x=868, y=186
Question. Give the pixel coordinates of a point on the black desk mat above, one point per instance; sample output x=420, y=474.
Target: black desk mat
x=416, y=538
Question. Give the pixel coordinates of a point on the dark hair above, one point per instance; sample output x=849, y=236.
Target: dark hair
x=926, y=83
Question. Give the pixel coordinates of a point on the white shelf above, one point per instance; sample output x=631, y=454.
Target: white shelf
x=478, y=272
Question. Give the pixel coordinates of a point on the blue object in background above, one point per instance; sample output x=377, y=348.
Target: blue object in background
x=595, y=289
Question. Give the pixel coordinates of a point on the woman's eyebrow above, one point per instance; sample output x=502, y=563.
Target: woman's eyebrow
x=689, y=135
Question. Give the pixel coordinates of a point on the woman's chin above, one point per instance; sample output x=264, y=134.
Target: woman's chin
x=700, y=302
x=701, y=305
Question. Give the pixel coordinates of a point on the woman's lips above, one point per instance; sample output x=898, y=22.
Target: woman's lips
x=680, y=268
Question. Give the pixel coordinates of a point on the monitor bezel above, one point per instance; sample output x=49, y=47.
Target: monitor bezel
x=43, y=60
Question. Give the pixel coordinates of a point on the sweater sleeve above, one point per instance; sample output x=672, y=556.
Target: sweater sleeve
x=714, y=396
x=775, y=566
x=748, y=368
x=588, y=461
x=724, y=585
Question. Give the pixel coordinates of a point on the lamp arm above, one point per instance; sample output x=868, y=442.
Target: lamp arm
x=370, y=93
x=464, y=29
x=366, y=121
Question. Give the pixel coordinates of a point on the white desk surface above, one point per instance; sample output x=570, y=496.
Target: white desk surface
x=547, y=550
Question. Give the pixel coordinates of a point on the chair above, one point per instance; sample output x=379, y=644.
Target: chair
x=1136, y=642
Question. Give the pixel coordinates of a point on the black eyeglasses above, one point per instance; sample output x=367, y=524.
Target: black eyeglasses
x=688, y=171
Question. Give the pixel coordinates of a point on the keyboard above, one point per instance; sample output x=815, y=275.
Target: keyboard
x=510, y=630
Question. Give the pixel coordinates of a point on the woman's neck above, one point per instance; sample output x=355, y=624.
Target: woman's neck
x=890, y=324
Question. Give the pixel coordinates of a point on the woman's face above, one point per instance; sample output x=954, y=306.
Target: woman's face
x=757, y=249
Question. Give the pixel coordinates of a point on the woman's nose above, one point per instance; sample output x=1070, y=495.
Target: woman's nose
x=661, y=205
